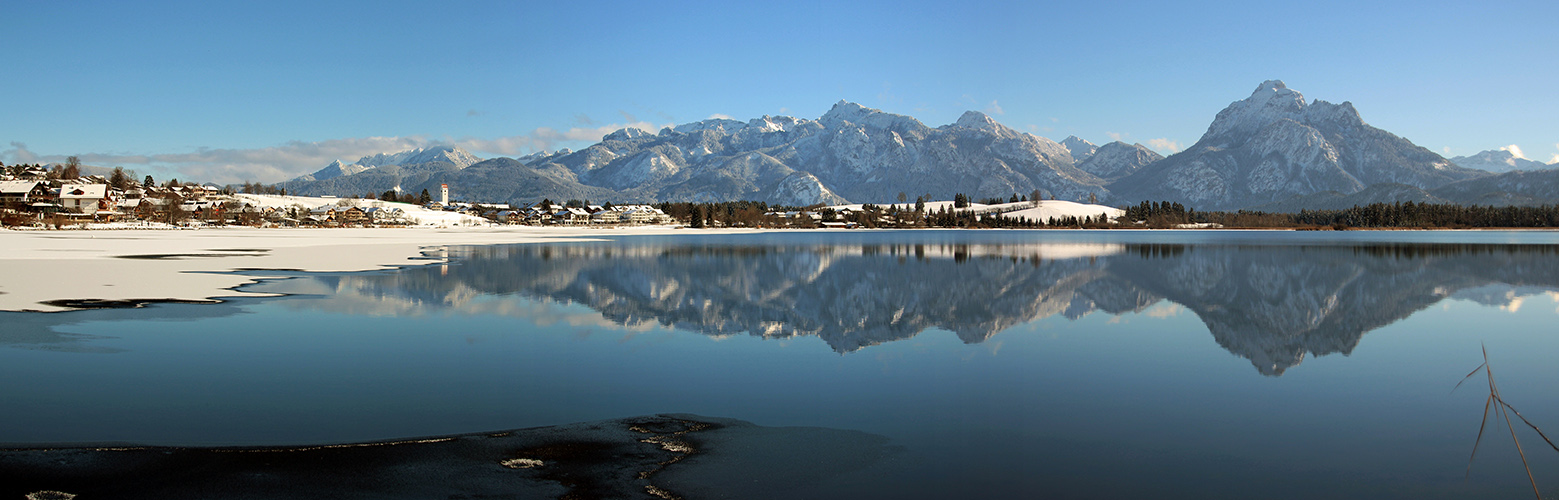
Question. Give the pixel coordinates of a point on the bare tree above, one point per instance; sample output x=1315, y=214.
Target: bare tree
x=72, y=168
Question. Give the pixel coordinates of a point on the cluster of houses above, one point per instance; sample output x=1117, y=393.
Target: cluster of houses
x=91, y=197
x=546, y=213
x=33, y=196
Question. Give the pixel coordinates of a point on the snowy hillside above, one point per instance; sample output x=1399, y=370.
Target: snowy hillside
x=416, y=213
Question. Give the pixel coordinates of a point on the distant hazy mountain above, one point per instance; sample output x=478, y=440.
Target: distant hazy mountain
x=411, y=171
x=1522, y=188
x=454, y=156
x=1333, y=200
x=1273, y=146
x=1499, y=161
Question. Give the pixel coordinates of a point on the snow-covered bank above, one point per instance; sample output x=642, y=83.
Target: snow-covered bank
x=417, y=214
x=1040, y=211
x=191, y=265
x=1056, y=209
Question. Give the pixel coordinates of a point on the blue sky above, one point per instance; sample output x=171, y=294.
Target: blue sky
x=269, y=90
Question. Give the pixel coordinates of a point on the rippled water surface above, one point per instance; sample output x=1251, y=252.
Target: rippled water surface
x=1005, y=363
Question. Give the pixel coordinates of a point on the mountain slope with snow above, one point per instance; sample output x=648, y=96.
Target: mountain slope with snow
x=1118, y=159
x=851, y=153
x=1080, y=149
x=1273, y=146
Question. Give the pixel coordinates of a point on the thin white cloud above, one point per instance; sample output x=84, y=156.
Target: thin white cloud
x=1514, y=151
x=994, y=109
x=1116, y=136
x=1165, y=145
x=1446, y=150
x=720, y=116
x=1555, y=159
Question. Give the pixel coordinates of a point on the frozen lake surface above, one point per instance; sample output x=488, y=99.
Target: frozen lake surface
x=1076, y=364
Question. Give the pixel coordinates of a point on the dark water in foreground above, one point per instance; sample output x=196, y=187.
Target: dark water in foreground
x=1007, y=364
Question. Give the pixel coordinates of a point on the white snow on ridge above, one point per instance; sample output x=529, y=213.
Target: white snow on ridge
x=1042, y=212
x=1056, y=209
x=416, y=213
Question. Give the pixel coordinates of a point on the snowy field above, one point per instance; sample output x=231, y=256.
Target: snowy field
x=142, y=261
x=1038, y=212
x=416, y=213
x=40, y=266
x=1055, y=209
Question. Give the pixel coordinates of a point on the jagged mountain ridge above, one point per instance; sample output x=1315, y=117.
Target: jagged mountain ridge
x=851, y=153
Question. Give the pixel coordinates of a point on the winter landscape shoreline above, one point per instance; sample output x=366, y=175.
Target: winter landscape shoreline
x=51, y=271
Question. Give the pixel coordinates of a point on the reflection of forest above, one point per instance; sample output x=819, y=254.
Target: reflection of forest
x=1269, y=304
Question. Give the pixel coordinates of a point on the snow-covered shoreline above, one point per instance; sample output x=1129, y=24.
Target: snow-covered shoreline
x=37, y=267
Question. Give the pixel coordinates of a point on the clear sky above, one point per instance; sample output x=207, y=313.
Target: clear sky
x=264, y=91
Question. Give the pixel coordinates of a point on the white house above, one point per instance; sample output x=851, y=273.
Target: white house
x=83, y=198
x=19, y=192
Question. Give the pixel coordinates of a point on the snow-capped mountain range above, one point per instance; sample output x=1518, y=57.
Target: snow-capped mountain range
x=1270, y=149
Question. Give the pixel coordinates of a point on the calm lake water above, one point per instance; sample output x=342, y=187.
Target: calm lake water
x=1086, y=364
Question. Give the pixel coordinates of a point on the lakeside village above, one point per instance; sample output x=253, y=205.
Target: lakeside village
x=40, y=197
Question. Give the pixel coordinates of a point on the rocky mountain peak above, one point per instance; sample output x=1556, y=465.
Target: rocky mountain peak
x=1271, y=101
x=448, y=154
x=849, y=112
x=977, y=120
x=625, y=134
x=1079, y=148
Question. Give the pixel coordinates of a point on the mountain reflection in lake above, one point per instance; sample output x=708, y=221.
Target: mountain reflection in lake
x=1007, y=364
x=1270, y=304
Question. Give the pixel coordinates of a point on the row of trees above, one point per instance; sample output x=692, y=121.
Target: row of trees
x=1377, y=215
x=1413, y=215
x=1162, y=214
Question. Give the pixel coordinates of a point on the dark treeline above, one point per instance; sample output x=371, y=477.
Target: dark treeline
x=1378, y=215
x=1409, y=214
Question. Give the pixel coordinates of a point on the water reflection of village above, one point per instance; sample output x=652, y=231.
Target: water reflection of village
x=1273, y=305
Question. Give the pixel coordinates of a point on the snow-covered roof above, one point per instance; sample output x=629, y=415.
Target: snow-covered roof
x=83, y=191
x=17, y=187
